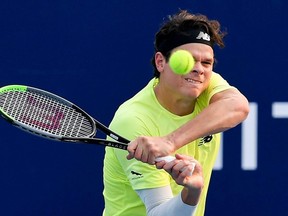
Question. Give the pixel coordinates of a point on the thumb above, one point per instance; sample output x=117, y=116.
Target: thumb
x=130, y=156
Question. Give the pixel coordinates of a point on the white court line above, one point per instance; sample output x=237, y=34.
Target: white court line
x=280, y=110
x=249, y=139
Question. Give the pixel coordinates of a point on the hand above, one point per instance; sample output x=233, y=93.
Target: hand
x=146, y=149
x=185, y=171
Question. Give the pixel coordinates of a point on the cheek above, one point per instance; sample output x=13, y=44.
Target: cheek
x=169, y=74
x=207, y=80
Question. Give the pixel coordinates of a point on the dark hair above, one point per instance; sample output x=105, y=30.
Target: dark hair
x=182, y=23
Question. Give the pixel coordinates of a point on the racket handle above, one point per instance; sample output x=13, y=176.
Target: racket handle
x=165, y=158
x=171, y=158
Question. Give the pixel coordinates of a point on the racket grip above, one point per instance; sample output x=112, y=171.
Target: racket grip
x=165, y=158
x=171, y=158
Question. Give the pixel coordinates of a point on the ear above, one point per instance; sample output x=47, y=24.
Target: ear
x=160, y=61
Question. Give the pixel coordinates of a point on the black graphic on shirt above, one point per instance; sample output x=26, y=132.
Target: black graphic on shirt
x=205, y=139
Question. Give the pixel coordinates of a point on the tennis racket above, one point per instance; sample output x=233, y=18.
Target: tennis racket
x=47, y=115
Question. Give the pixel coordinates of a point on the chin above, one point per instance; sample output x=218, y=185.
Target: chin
x=195, y=93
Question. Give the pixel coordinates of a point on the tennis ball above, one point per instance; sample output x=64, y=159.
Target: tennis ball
x=181, y=62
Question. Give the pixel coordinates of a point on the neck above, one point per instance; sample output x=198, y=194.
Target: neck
x=173, y=103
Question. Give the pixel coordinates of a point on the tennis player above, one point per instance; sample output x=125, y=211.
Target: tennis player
x=180, y=115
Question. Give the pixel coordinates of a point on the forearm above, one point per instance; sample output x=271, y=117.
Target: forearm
x=160, y=201
x=219, y=116
x=174, y=206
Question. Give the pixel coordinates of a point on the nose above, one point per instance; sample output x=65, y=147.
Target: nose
x=198, y=68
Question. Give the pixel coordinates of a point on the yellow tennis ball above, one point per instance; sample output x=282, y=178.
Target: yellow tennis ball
x=181, y=62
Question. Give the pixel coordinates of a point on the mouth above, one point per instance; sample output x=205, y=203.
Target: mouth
x=193, y=81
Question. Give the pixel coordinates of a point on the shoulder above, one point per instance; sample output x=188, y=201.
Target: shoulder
x=132, y=118
x=217, y=84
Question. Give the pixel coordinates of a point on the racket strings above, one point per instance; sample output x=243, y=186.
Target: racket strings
x=45, y=113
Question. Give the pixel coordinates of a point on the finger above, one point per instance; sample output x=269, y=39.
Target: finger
x=132, y=146
x=188, y=169
x=151, y=159
x=168, y=166
x=144, y=157
x=183, y=157
x=161, y=161
x=184, y=167
x=134, y=149
x=191, y=161
x=138, y=153
x=197, y=168
x=160, y=164
x=130, y=156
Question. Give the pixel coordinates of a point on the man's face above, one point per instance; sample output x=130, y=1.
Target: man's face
x=191, y=85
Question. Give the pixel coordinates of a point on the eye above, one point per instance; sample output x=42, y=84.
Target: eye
x=207, y=63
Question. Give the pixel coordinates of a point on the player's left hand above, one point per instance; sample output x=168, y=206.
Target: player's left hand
x=185, y=171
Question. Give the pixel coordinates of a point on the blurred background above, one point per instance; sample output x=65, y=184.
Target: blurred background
x=97, y=54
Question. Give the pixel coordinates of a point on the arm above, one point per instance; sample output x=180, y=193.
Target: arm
x=160, y=201
x=186, y=172
x=226, y=109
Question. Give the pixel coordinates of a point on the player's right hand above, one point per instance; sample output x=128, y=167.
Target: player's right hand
x=147, y=149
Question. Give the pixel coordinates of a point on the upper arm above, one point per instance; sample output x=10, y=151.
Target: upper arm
x=231, y=93
x=233, y=101
x=220, y=90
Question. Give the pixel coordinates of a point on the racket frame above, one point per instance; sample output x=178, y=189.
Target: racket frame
x=120, y=142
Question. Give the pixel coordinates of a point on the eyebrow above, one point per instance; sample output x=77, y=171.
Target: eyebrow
x=206, y=59
x=209, y=59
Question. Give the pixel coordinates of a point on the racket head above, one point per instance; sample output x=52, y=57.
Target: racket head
x=45, y=114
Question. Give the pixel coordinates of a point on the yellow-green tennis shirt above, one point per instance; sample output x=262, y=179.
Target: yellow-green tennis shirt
x=143, y=115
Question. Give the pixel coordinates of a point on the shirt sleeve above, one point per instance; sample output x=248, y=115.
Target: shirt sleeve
x=140, y=175
x=217, y=84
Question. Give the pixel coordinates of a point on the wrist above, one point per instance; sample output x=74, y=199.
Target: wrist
x=171, y=141
x=191, y=196
x=174, y=140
